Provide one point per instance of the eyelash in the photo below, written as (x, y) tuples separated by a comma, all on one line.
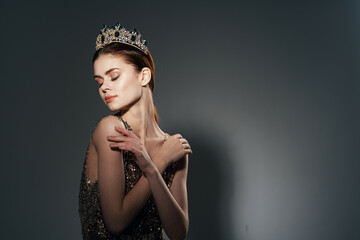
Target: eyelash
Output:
[(99, 85)]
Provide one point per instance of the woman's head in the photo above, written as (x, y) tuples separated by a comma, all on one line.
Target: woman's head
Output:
[(128, 63)]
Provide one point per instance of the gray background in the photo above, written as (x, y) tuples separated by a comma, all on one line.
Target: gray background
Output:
[(267, 93)]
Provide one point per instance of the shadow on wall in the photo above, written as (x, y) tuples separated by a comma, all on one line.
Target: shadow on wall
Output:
[(210, 186)]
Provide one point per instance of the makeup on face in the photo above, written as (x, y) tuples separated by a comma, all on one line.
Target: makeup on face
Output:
[(110, 99)]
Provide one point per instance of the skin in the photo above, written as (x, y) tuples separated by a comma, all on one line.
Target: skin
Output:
[(116, 77)]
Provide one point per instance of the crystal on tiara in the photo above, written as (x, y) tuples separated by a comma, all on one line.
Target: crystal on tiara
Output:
[(118, 33)]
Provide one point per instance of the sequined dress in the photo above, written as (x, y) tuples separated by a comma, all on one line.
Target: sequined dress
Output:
[(146, 225)]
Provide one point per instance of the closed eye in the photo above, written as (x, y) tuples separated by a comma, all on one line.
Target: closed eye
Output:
[(113, 79)]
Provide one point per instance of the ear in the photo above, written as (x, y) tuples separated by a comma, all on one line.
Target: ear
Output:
[(145, 76)]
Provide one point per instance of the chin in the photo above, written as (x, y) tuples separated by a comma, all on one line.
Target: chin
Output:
[(113, 109), (112, 106), (119, 106)]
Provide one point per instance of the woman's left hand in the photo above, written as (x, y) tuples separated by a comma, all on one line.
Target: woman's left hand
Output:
[(130, 142)]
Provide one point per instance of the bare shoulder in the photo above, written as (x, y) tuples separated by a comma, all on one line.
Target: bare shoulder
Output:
[(106, 127)]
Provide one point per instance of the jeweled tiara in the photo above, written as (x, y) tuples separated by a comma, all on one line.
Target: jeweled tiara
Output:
[(118, 33)]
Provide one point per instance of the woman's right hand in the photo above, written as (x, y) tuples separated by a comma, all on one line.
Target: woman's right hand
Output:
[(174, 148)]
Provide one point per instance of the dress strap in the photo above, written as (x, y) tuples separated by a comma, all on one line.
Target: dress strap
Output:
[(127, 126)]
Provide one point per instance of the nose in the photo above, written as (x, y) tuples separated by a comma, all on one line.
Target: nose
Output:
[(105, 86)]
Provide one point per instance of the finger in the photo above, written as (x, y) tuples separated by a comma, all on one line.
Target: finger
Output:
[(120, 139), (178, 135), (121, 146), (184, 141), (186, 146), (127, 132), (188, 151), (122, 130), (128, 146), (117, 138), (126, 140), (134, 135)]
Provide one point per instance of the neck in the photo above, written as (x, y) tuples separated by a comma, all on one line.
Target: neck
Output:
[(140, 117)]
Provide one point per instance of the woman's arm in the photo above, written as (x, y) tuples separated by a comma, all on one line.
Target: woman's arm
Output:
[(172, 204), (119, 210)]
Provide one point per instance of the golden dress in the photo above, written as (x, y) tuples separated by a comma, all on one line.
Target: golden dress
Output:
[(146, 225)]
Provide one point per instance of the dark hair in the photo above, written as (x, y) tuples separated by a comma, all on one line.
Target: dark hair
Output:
[(132, 56)]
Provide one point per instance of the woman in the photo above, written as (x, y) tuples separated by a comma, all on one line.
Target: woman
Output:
[(133, 182)]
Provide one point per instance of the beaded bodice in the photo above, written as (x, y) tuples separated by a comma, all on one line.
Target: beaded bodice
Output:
[(146, 225)]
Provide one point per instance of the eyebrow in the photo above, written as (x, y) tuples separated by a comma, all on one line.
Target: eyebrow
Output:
[(106, 73)]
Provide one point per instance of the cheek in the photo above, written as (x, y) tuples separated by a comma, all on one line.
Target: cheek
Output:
[(134, 92), (130, 91)]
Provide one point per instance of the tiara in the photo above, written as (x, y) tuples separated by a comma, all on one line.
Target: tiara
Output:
[(118, 33)]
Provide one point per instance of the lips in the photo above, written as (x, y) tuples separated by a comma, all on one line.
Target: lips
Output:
[(109, 98)]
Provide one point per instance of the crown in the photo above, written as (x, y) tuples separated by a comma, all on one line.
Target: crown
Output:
[(118, 33)]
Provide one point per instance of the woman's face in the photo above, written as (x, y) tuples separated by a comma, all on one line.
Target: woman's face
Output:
[(117, 78)]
